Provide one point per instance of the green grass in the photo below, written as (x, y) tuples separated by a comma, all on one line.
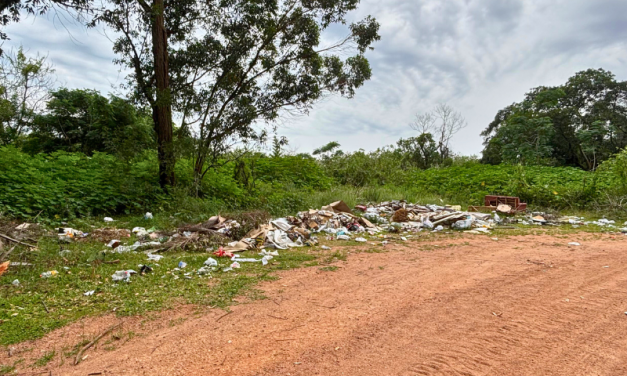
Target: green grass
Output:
[(83, 267), (329, 268), (45, 359), (6, 370)]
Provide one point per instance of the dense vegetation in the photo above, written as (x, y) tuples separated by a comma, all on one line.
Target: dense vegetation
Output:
[(581, 123), (69, 153)]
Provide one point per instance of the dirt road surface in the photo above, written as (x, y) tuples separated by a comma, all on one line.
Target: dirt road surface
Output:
[(528, 305)]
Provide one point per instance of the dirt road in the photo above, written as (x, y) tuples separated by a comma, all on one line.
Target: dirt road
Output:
[(527, 305)]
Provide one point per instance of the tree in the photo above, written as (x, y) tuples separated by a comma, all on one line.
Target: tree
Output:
[(85, 121), (326, 150), (227, 65), (277, 145), (527, 140), (24, 89), (588, 117), (442, 123), (420, 152)]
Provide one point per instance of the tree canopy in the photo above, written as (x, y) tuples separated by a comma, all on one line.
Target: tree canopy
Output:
[(580, 123)]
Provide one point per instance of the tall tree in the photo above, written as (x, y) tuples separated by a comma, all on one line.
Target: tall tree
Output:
[(440, 124), (587, 116), (226, 65), (85, 121), (25, 83)]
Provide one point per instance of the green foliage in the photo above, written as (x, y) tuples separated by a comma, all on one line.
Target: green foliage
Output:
[(24, 85), (70, 184), (362, 169), (85, 121), (580, 123), (419, 152), (557, 187)]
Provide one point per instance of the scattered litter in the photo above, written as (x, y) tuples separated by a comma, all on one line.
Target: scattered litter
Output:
[(144, 269), (575, 244), (404, 239), (140, 232), (463, 224), (211, 262), (68, 234), (16, 283), (266, 253), (204, 270), (114, 243), (4, 267), (343, 237), (152, 257), (108, 219), (122, 275), (182, 264), (222, 253), (361, 240), (51, 273), (225, 270), (324, 247), (89, 293), (235, 265), (148, 215), (23, 226)]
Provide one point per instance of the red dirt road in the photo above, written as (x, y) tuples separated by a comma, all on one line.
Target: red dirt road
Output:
[(521, 306)]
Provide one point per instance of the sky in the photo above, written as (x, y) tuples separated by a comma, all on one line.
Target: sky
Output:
[(477, 56)]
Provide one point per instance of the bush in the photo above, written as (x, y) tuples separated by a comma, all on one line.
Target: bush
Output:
[(72, 184)]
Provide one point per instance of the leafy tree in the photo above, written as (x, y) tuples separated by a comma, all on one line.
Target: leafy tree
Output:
[(326, 150), (526, 140), (277, 145), (225, 65), (420, 152), (85, 121), (588, 116), (24, 86)]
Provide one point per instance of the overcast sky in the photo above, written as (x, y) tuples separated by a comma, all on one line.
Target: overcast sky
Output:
[(476, 55)]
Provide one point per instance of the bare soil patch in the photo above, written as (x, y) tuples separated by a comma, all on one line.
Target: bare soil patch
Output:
[(527, 305)]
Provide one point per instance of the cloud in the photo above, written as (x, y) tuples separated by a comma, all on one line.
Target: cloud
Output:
[(477, 55)]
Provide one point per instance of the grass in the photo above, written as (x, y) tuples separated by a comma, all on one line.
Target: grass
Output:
[(40, 305), (45, 359), (6, 370)]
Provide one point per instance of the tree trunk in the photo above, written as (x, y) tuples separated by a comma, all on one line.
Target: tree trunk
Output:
[(162, 110)]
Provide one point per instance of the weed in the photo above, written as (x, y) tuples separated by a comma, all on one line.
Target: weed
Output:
[(45, 359), (329, 268), (6, 370)]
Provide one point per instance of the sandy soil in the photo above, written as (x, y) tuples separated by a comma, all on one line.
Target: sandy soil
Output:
[(527, 305)]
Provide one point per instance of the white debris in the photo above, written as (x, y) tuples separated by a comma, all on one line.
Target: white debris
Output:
[(152, 257), (211, 262), (108, 219), (89, 293), (122, 275)]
